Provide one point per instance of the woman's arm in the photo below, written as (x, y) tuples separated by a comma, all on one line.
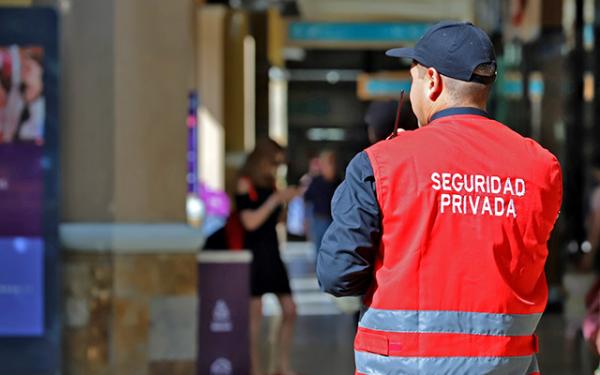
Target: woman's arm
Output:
[(253, 219)]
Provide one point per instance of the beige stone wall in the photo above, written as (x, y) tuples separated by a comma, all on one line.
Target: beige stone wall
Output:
[(87, 111), (130, 314), (127, 67), (88, 301), (154, 63)]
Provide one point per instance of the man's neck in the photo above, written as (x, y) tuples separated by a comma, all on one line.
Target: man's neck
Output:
[(443, 106)]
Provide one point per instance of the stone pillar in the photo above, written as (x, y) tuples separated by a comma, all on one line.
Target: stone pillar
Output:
[(127, 68), (87, 126), (130, 274), (130, 295), (153, 72), (210, 65)]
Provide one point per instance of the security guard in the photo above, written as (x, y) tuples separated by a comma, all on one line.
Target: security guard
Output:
[(444, 229)]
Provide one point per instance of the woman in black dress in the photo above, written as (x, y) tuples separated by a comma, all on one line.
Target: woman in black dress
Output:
[(260, 205)]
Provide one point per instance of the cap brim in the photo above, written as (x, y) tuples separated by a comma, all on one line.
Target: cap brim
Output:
[(407, 53)]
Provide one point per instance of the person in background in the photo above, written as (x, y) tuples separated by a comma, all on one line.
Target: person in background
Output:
[(591, 263), (591, 258), (381, 117), (299, 213), (314, 170), (31, 127), (319, 194), (260, 205), (12, 103)]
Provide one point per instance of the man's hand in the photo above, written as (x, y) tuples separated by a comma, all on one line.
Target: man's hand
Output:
[(288, 194)]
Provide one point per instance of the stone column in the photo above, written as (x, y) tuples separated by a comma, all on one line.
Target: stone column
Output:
[(130, 279)]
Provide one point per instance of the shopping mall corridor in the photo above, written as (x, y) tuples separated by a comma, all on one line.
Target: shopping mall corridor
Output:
[(324, 335)]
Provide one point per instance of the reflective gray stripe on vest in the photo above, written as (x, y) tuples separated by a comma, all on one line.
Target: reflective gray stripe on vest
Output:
[(534, 366), (373, 364), (450, 322)]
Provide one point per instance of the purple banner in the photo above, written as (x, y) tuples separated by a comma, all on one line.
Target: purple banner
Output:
[(223, 337), (21, 286), (192, 151), (21, 190)]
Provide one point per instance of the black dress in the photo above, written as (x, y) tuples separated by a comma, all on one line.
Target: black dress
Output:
[(267, 272)]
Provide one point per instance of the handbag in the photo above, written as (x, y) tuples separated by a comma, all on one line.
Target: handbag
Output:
[(234, 229)]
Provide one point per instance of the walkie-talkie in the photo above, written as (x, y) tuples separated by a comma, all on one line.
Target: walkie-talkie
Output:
[(397, 122)]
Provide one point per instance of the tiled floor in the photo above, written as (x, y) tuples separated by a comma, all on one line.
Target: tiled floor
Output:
[(324, 336)]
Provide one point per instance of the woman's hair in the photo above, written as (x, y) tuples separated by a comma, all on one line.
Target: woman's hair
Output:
[(258, 163)]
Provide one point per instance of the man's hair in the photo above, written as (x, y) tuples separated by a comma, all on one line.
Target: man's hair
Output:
[(463, 91), (474, 90), (486, 70)]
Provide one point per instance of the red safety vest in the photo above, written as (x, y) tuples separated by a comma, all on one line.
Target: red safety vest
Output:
[(467, 206)]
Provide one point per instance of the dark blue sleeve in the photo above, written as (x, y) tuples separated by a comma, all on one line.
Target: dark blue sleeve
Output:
[(309, 195), (347, 253)]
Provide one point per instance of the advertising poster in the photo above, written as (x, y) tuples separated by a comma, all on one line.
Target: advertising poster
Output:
[(22, 109), (29, 323)]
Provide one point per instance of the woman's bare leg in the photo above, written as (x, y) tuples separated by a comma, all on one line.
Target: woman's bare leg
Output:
[(255, 341), (286, 332)]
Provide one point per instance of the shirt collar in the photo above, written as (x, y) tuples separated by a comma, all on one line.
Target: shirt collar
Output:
[(459, 111)]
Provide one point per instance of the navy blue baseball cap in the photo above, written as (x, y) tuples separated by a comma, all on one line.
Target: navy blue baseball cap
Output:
[(455, 49)]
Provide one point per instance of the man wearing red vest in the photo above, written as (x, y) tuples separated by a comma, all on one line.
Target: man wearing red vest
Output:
[(444, 229)]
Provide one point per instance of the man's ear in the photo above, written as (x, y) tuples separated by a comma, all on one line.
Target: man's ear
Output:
[(434, 84)]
